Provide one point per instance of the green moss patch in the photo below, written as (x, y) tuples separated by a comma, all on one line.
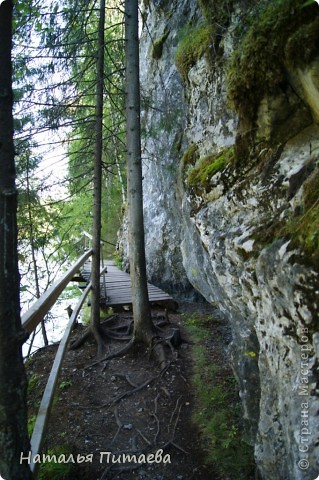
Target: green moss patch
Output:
[(194, 43), (157, 49), (278, 33), (217, 12), (199, 177), (191, 156)]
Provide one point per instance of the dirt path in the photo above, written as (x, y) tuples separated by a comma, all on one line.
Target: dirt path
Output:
[(124, 407)]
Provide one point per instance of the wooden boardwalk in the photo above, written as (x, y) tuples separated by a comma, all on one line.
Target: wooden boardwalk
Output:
[(116, 288)]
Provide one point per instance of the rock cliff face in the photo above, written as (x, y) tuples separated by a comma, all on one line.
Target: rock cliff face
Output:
[(231, 177)]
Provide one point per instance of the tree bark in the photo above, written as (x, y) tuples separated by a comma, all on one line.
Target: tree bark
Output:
[(143, 326), (14, 438), (96, 233)]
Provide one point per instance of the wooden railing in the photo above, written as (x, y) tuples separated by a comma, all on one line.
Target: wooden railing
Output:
[(30, 321)]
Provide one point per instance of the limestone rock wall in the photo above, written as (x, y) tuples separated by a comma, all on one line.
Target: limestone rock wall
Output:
[(238, 236)]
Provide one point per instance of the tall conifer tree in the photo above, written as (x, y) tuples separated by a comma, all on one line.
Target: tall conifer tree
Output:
[(14, 438)]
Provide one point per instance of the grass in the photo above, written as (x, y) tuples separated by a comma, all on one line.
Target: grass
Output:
[(54, 470), (218, 411), (65, 384)]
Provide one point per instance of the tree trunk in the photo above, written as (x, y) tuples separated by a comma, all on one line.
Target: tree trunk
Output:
[(97, 185), (13, 408), (143, 326)]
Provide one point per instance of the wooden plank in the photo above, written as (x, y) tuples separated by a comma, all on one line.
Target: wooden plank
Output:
[(118, 288), (40, 308), (47, 399)]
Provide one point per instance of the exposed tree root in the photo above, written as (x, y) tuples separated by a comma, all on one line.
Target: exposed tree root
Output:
[(130, 392), (119, 424), (144, 438), (174, 419), (156, 420), (155, 339), (88, 333), (127, 378)]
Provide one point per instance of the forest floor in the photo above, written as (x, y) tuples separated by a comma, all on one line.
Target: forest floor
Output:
[(126, 406)]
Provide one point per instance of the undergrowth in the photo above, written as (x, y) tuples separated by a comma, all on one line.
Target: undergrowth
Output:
[(54, 470), (217, 410)]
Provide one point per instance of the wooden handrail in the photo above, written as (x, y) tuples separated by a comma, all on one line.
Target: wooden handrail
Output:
[(87, 234), (48, 395), (90, 237), (47, 399), (40, 308)]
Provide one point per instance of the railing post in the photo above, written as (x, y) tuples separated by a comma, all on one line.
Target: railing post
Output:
[(103, 270)]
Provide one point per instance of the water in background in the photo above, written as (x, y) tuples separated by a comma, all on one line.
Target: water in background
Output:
[(57, 318)]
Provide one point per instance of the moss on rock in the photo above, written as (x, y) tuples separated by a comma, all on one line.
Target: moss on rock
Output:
[(190, 156), (195, 42), (200, 175), (157, 49), (274, 34)]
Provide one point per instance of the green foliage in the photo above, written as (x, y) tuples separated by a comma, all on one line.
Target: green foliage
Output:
[(157, 48), (118, 259), (86, 315), (217, 409), (31, 423), (217, 12), (200, 175), (33, 382), (193, 44), (54, 470), (65, 384), (276, 33)]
